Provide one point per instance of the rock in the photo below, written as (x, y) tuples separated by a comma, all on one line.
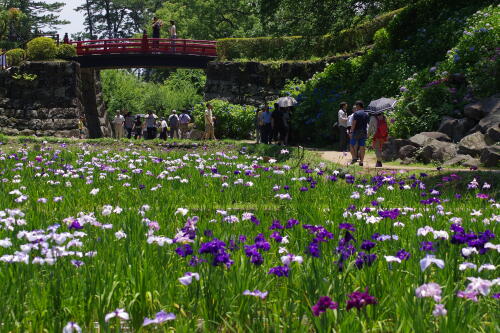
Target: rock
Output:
[(483, 108), (456, 129), (391, 148), (420, 140), (457, 160), (492, 135), (492, 120), (438, 136), (407, 151), (196, 134), (472, 144), (435, 150), (471, 163), (490, 156)]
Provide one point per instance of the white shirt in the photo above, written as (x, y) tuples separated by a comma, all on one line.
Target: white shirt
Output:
[(342, 118), (163, 124), (349, 120), (173, 30), (119, 119)]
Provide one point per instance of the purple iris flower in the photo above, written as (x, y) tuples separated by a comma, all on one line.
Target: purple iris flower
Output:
[(291, 223), (184, 250), (347, 226), (313, 250), (75, 225), (277, 237), (276, 225), (360, 299), (403, 254), (279, 271), (367, 245), (427, 247), (324, 303)]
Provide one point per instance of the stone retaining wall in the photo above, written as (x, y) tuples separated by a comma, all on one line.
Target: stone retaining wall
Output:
[(46, 99)]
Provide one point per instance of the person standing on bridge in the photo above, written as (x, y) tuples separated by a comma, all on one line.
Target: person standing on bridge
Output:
[(157, 24), (173, 34)]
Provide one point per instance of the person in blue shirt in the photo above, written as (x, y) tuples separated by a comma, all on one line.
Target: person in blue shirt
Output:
[(359, 133)]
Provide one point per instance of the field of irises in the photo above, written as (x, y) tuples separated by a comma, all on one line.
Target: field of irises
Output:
[(151, 238)]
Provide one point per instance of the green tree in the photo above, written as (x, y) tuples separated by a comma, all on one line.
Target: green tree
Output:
[(38, 17)]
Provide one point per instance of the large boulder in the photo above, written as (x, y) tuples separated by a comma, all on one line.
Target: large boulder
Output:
[(458, 160), (437, 135), (492, 135), (407, 152), (472, 144), (456, 129), (492, 120), (390, 149), (483, 108), (420, 140), (490, 156), (435, 150)]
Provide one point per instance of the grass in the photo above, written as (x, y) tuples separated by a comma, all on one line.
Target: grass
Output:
[(150, 182)]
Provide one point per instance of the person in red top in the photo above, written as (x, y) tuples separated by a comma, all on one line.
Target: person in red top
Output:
[(378, 128)]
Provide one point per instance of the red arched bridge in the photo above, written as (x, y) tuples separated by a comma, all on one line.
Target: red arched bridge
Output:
[(144, 52)]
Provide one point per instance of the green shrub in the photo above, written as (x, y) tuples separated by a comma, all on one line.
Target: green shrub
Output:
[(15, 57), (301, 48), (232, 121), (65, 51), (42, 48)]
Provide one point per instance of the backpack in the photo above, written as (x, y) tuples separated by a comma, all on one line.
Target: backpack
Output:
[(382, 131), (173, 120)]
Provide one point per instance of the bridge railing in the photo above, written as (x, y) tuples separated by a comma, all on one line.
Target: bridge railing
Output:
[(146, 46)]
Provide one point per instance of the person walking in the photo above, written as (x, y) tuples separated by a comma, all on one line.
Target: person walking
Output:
[(151, 126), (209, 123), (379, 130), (287, 118), (278, 124), (157, 24), (173, 122), (81, 127), (118, 125), (359, 133), (163, 129), (138, 127), (129, 124), (184, 120), (342, 122), (266, 125)]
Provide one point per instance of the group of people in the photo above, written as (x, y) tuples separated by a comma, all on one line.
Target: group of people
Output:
[(158, 24), (273, 126), (357, 127), (149, 127)]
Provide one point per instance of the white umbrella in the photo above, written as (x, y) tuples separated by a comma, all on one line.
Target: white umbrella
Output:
[(286, 102)]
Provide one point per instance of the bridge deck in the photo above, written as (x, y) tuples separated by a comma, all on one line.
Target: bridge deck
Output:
[(145, 52)]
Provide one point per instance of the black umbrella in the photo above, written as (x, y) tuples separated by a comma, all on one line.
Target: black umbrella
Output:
[(381, 105)]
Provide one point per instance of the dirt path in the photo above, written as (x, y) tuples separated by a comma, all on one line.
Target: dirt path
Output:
[(344, 159)]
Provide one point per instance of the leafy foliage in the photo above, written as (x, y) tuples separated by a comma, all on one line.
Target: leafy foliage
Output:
[(28, 18), (15, 57), (66, 51), (299, 47), (232, 121), (125, 91), (42, 48)]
